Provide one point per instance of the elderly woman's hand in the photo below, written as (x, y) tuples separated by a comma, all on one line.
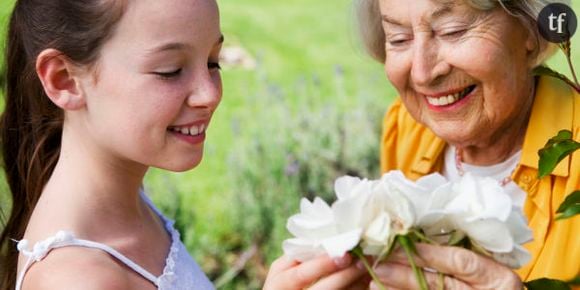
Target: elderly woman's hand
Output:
[(463, 269), (321, 273)]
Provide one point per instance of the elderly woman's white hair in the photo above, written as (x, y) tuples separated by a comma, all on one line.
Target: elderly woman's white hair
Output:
[(373, 37)]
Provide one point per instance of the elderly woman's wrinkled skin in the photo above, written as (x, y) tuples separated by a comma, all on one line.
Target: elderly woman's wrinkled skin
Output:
[(434, 50), (464, 270)]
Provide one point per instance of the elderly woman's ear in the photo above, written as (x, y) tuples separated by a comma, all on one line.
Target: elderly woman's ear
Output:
[(537, 47)]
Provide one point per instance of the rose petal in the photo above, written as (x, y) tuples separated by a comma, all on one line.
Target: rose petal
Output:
[(379, 230), (491, 234), (516, 259), (338, 245), (518, 227), (301, 250)]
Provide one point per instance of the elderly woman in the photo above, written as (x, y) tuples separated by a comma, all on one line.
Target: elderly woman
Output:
[(470, 103)]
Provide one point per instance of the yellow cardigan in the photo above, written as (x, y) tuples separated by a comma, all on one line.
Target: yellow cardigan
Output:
[(415, 150)]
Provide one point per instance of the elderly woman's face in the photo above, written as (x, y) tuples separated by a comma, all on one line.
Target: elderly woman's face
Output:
[(463, 72)]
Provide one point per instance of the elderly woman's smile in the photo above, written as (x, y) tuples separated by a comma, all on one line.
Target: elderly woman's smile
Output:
[(448, 100), (463, 72)]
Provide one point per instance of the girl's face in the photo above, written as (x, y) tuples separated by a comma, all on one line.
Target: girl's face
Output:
[(157, 84)]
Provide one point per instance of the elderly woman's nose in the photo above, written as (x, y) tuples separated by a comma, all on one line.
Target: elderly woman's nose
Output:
[(426, 63)]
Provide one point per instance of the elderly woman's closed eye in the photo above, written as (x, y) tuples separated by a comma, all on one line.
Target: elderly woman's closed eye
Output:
[(469, 102)]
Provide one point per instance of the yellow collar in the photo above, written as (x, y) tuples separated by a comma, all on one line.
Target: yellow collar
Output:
[(553, 110)]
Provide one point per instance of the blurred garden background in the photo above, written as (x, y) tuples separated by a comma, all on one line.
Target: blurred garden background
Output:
[(302, 105)]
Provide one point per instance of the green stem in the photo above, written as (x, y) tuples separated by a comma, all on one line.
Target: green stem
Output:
[(424, 238), (409, 248), (441, 281), (573, 74), (567, 48), (362, 257)]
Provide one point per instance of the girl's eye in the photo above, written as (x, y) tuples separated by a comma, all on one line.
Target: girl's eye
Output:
[(214, 65), (169, 75)]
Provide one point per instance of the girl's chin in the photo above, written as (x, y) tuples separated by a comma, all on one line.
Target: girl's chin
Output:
[(181, 166)]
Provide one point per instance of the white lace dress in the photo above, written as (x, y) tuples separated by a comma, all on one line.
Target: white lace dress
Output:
[(181, 272)]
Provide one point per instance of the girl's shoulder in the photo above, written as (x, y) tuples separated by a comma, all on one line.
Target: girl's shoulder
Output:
[(77, 268)]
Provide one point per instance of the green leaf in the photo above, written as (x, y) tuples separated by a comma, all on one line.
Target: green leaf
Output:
[(545, 283), (570, 207), (544, 70), (555, 150), (575, 281)]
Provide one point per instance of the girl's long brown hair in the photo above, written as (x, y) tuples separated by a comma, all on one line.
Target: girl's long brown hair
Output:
[(31, 125)]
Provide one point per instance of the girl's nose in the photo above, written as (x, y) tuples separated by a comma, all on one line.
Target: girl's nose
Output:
[(207, 91)]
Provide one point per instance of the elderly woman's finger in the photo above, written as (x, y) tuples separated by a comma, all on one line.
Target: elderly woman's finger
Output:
[(402, 277), (465, 265), (352, 276)]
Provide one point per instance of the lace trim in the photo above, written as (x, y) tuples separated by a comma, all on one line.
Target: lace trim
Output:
[(66, 238), (167, 279)]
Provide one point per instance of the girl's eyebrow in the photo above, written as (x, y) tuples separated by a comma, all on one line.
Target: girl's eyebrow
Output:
[(178, 46), (168, 46)]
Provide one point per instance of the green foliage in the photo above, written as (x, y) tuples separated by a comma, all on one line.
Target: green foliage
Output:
[(545, 70), (555, 151), (566, 47), (570, 207), (545, 283), (295, 151), (575, 281)]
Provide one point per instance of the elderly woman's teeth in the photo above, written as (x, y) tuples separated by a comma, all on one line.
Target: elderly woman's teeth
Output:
[(449, 99)]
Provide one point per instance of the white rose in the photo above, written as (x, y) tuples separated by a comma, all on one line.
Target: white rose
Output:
[(335, 230), (388, 213), (418, 192), (479, 208)]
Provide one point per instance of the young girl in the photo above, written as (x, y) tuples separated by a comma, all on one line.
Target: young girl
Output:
[(97, 92)]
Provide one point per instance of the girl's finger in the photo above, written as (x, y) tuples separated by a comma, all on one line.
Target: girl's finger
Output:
[(341, 279), (283, 263), (294, 275)]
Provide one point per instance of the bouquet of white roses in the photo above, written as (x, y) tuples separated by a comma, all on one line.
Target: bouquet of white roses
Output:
[(370, 217)]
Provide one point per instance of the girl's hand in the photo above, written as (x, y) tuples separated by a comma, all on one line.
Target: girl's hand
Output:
[(463, 269), (321, 273)]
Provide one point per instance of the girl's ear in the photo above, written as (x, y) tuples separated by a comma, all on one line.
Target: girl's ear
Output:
[(59, 79)]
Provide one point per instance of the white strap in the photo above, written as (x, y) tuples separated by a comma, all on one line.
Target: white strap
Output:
[(66, 239)]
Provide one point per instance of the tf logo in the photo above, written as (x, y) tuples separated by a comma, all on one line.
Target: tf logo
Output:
[(557, 22)]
